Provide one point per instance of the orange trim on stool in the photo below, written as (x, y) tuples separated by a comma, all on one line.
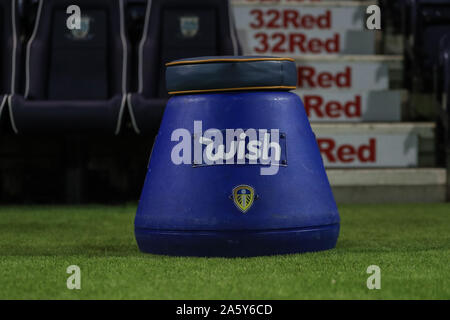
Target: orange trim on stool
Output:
[(227, 60), (233, 89)]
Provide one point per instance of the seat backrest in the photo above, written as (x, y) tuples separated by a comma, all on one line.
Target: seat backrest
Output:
[(89, 63), (176, 29), (430, 22), (442, 71), (9, 46)]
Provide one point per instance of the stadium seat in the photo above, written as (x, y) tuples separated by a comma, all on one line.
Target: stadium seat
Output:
[(9, 50), (442, 92), (440, 68), (75, 80), (429, 21), (3, 99), (176, 29)]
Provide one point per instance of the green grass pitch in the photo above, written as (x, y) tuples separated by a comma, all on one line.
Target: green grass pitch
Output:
[(410, 243)]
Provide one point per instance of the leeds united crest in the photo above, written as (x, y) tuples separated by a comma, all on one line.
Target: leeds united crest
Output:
[(243, 197), (189, 26)]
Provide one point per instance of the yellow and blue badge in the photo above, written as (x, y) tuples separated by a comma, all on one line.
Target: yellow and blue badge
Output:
[(83, 33), (243, 197), (189, 26)]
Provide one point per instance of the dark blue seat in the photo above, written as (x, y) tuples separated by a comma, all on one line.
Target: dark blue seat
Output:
[(3, 100), (442, 80), (75, 80), (176, 29), (9, 51), (429, 22)]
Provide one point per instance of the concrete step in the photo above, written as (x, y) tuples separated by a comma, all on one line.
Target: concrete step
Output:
[(376, 145), (388, 185)]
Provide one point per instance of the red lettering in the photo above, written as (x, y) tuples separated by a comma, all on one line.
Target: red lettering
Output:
[(325, 80), (299, 42), (278, 46), (311, 103), (347, 153), (263, 41), (326, 147), (307, 21), (273, 22), (367, 153), (333, 45), (353, 108), (333, 109), (316, 105), (258, 17), (324, 21), (296, 40), (315, 45), (344, 79), (290, 17), (276, 19), (306, 74)]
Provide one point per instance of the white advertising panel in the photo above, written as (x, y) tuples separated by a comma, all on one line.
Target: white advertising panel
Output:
[(342, 75), (294, 18), (338, 106), (368, 150), (295, 30)]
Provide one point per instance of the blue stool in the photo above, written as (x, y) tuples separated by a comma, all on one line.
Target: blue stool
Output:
[(235, 169)]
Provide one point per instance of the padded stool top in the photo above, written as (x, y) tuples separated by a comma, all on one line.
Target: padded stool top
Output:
[(230, 73)]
